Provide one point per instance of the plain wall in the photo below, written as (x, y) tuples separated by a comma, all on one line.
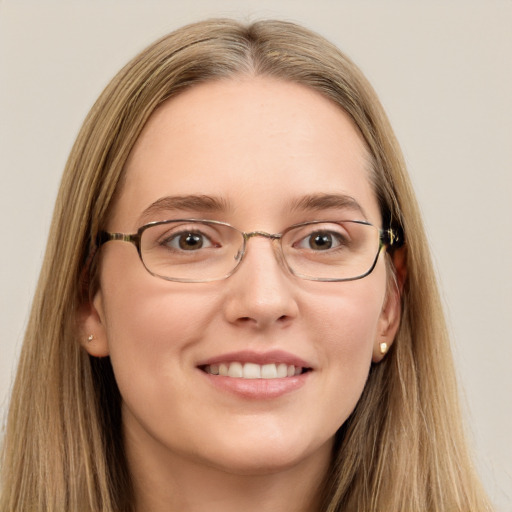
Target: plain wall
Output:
[(443, 72)]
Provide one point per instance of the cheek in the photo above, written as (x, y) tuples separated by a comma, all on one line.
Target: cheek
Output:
[(346, 327), (141, 309), (150, 324), (348, 315)]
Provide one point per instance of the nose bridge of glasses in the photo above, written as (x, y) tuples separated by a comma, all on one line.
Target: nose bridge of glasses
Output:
[(273, 237), (264, 234)]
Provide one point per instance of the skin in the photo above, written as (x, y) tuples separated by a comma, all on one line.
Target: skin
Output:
[(259, 145)]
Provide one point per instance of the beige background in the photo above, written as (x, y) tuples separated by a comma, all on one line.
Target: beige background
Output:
[(444, 73)]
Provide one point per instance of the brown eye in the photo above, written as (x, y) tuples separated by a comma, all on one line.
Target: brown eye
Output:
[(320, 241), (188, 241)]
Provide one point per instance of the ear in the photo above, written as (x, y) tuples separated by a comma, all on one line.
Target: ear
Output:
[(389, 319), (93, 333)]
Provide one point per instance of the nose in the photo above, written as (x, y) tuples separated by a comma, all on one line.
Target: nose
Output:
[(262, 292)]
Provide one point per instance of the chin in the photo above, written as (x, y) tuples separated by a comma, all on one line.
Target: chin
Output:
[(258, 466), (266, 455)]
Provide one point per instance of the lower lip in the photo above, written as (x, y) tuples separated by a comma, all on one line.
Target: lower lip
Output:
[(257, 389)]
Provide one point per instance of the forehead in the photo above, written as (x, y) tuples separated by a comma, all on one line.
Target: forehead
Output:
[(249, 141)]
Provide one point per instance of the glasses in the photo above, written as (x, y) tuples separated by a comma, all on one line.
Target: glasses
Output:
[(198, 251)]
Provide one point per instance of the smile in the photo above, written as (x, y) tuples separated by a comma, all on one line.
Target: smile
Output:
[(253, 370)]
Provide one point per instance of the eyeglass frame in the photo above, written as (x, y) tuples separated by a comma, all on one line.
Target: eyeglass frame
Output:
[(388, 238)]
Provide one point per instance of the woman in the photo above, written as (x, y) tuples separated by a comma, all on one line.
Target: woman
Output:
[(274, 340)]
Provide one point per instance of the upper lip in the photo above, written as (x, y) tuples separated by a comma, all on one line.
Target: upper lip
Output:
[(249, 356)]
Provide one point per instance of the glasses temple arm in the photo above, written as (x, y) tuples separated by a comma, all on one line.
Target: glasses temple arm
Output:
[(392, 237)]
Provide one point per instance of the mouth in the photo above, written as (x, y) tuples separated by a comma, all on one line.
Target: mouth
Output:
[(251, 370), (253, 375)]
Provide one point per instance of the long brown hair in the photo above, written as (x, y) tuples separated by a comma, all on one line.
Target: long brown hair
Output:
[(402, 449)]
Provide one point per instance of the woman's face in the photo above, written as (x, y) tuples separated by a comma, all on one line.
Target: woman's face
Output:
[(266, 152)]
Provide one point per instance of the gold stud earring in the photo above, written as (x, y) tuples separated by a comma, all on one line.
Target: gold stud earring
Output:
[(90, 338), (383, 348)]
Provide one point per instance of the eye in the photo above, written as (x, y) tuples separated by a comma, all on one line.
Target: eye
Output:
[(188, 241), (321, 241)]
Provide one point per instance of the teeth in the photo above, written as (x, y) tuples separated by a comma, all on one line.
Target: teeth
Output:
[(253, 370), (236, 370), (282, 370), (269, 371)]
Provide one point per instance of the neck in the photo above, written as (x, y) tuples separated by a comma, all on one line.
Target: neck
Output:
[(172, 482)]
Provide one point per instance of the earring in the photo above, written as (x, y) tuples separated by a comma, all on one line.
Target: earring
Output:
[(90, 338), (383, 348)]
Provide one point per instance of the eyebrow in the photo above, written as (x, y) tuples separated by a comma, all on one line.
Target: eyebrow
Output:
[(190, 203), (318, 202), (204, 204)]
